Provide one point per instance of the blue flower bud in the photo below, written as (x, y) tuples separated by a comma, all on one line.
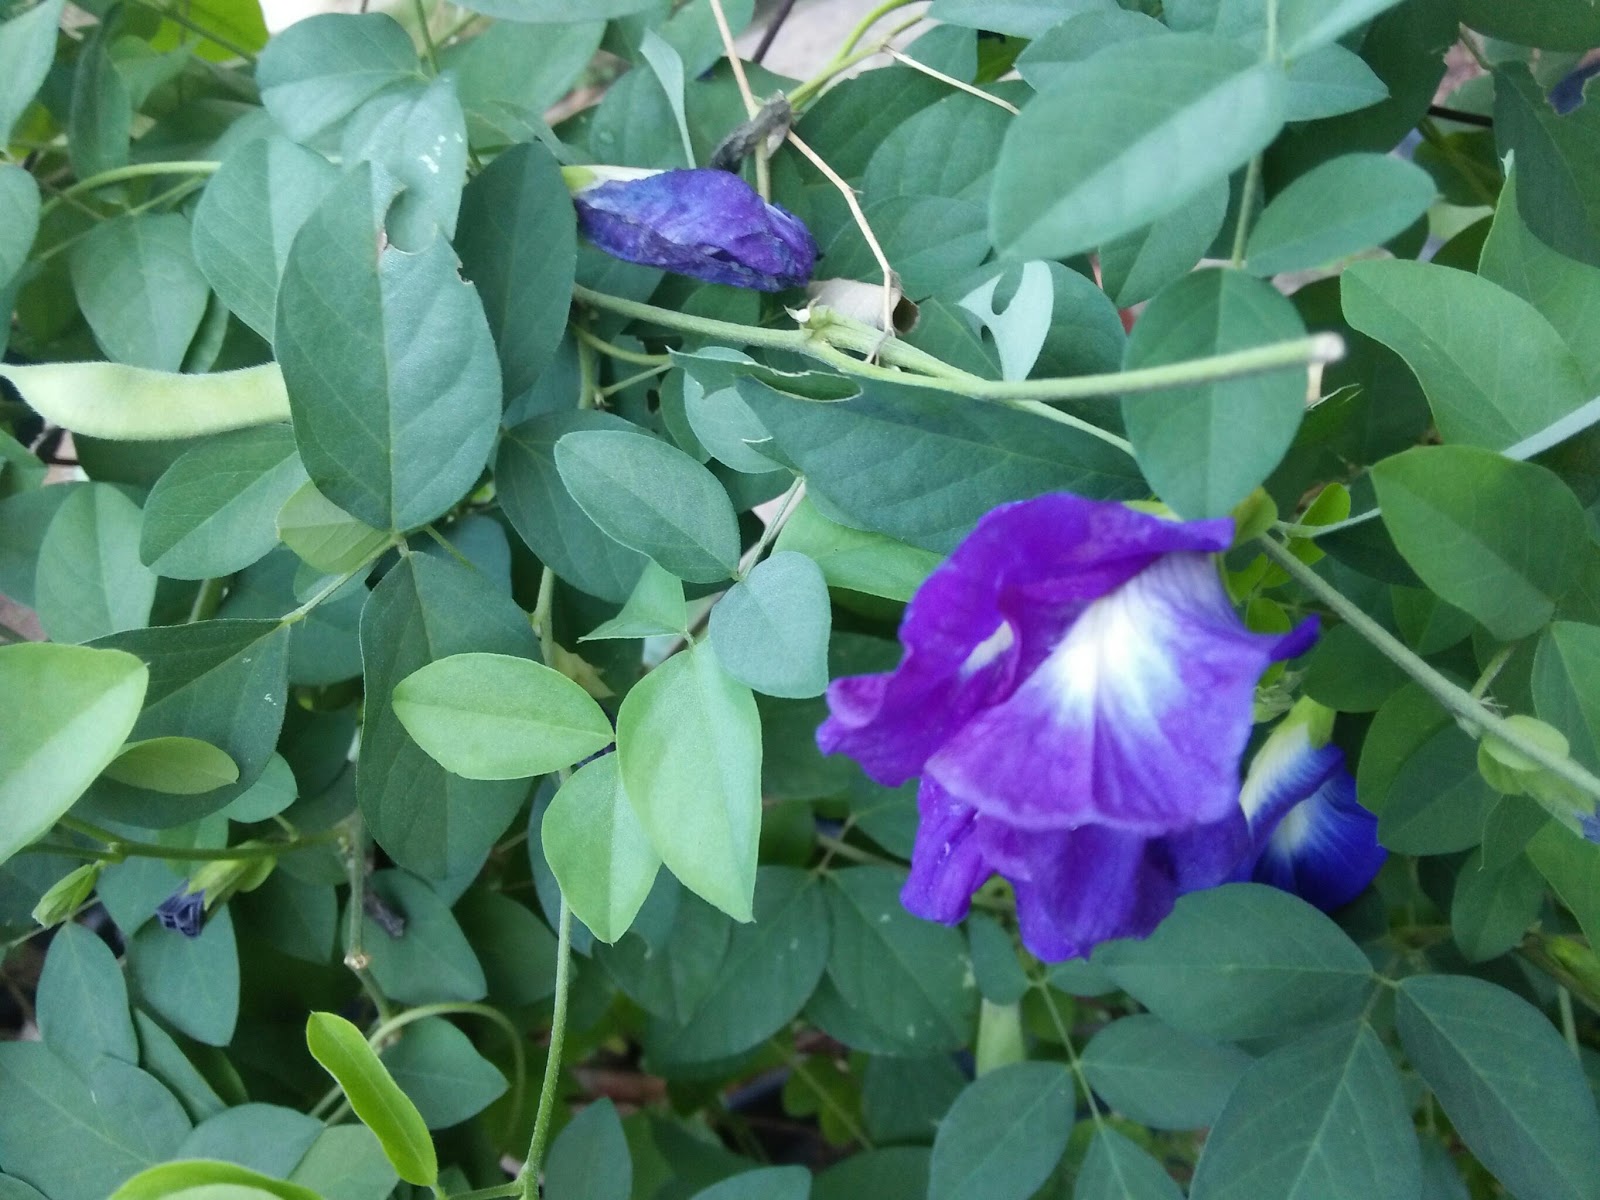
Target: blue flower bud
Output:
[(183, 912), (708, 224)]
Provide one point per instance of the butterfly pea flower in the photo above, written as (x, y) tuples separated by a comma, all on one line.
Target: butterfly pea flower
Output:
[(1076, 693), (183, 912), (709, 224), (1308, 834)]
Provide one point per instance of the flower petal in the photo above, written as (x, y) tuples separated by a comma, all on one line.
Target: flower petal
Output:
[(1325, 848), (1135, 720), (991, 614), (948, 862), (704, 223)]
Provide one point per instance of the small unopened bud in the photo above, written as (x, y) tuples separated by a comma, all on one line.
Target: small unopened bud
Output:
[(67, 895)]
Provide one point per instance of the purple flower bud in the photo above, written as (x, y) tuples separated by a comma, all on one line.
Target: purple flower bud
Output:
[(709, 224), (183, 912)]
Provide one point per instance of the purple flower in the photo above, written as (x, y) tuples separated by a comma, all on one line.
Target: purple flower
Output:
[(708, 224), (183, 912), (1308, 834), (1076, 692)]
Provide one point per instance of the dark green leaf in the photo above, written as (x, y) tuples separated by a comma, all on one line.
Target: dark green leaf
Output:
[(653, 498), (27, 47), (1242, 960), (1205, 448), (267, 1138), (160, 1054), (1101, 153), (19, 214), (319, 70), (426, 959), (1306, 25), (247, 219), (82, 1002), (1495, 371), (1565, 668), (769, 1183), (1116, 1169), (425, 609), (1331, 1108), (771, 629), (388, 361), (1508, 1083), (1004, 1134), (1347, 204), (1493, 908), (90, 581), (883, 459), (1137, 265), (190, 983), (1160, 1077), (100, 120), (140, 289), (374, 1095), (947, 150), (589, 1159), (214, 511), (347, 1163), (1328, 82), (1553, 24), (1044, 61), (437, 1066), (1497, 538)]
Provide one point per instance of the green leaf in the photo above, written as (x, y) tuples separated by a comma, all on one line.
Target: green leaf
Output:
[(689, 745), (27, 48), (518, 245), (598, 850), (82, 704), (323, 535), (1240, 961), (1134, 153), (1160, 1077), (90, 581), (19, 215), (1497, 538), (1205, 448), (947, 150), (437, 1066), (428, 820), (768, 972), (1329, 82), (1495, 371), (768, 1183), (589, 1159), (1508, 1083), (1572, 866), (771, 630), (495, 716), (165, 1059), (1565, 667), (247, 219), (297, 917), (1565, 291), (655, 607), (556, 12), (136, 280), (1117, 1169), (653, 498), (1306, 25), (1044, 61), (910, 979), (1137, 265), (1493, 908), (1331, 1108), (1004, 1134), (202, 1180), (100, 120), (1552, 24), (548, 519), (222, 682), (190, 983), (318, 71), (518, 73), (853, 558), (179, 766), (881, 460), (892, 1173), (388, 361), (82, 1001), (374, 1095), (268, 1138), (1347, 204), (215, 510), (668, 968), (76, 1136), (418, 134), (346, 1163), (1021, 18), (429, 961)]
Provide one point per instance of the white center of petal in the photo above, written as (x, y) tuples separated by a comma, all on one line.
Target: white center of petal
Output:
[(1114, 659), (991, 648), (1276, 759)]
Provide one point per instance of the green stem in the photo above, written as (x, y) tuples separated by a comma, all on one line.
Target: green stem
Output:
[(1072, 1052), (835, 847), (170, 195), (429, 48), (805, 93), (206, 600), (543, 627), (118, 848), (1247, 192), (122, 174), (331, 587), (773, 528), (825, 1097), (529, 1176), (1276, 356), (1454, 699), (636, 357), (640, 377), (355, 955)]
